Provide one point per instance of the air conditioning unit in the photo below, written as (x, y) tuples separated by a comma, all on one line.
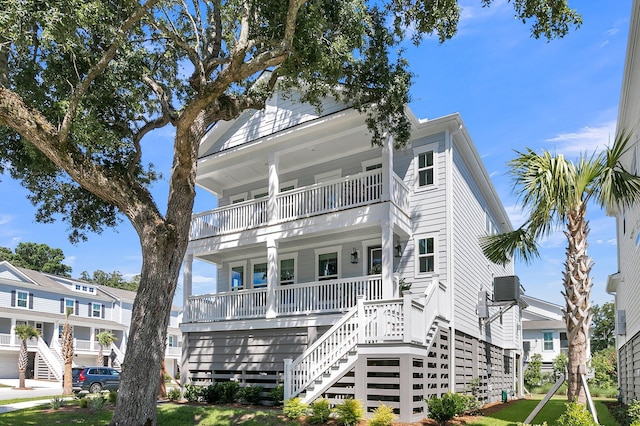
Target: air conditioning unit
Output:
[(526, 346), (506, 289)]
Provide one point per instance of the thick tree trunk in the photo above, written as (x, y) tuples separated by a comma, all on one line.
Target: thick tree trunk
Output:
[(577, 284)]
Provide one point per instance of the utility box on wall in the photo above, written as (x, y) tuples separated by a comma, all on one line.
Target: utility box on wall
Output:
[(506, 289)]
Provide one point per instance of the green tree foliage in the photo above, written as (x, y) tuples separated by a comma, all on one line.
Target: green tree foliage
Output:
[(105, 338), (38, 257), (603, 327), (111, 279), (83, 83), (560, 365), (533, 372), (605, 368), (557, 192)]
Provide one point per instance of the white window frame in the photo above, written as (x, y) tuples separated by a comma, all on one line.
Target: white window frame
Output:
[(290, 183), (93, 310), (544, 341), (293, 257), (372, 162), (26, 301), (244, 275), (253, 263), (416, 243), (238, 198), (327, 176), (73, 305), (327, 250), (416, 167)]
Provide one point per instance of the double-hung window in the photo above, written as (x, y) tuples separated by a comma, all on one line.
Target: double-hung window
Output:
[(259, 275), (69, 306), (426, 169), (287, 271), (96, 310), (547, 337), (328, 266), (237, 277), (22, 299), (426, 255)]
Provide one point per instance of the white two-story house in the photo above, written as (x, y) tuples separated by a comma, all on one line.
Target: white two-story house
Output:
[(316, 237), (41, 300), (544, 331)]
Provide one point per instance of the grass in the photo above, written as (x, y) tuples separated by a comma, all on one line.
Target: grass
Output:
[(33, 398)]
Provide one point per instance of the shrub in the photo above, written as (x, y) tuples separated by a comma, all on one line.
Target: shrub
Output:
[(382, 416), (57, 402), (349, 412), (113, 396), (633, 411), (576, 415), (277, 394), (320, 411), (294, 408), (446, 407), (560, 365), (533, 372), (84, 402), (250, 394), (97, 404), (174, 394), (193, 393), (228, 392)]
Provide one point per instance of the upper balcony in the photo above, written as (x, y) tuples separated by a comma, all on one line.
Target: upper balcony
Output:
[(332, 196)]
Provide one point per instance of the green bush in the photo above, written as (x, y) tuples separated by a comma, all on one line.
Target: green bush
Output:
[(97, 404), (250, 394), (113, 396), (320, 411), (57, 402), (576, 415), (533, 372), (173, 394), (277, 394), (229, 393), (633, 411), (84, 402), (294, 408), (349, 412), (193, 393), (446, 407), (382, 416)]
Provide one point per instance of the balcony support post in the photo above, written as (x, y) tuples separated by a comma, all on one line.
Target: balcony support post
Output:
[(274, 188), (272, 276), (387, 223), (387, 169)]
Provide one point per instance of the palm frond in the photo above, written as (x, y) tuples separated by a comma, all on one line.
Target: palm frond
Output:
[(500, 248), (616, 185)]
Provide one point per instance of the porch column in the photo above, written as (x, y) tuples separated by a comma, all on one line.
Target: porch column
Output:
[(387, 169), (387, 258), (12, 333), (274, 188), (272, 276), (187, 275)]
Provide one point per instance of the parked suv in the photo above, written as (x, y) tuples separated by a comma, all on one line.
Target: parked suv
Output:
[(95, 379)]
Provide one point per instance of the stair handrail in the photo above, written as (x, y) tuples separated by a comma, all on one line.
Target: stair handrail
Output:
[(316, 365), (119, 354), (49, 358)]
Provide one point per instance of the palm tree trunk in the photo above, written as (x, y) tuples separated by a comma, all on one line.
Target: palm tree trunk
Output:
[(22, 363), (577, 315)]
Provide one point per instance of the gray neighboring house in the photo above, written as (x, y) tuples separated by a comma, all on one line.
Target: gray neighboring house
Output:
[(316, 236), (39, 299)]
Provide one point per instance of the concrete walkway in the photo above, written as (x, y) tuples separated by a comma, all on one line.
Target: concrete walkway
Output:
[(37, 388)]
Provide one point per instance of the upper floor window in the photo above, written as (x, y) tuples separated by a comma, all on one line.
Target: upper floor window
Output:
[(426, 255), (373, 164), (69, 306), (259, 275), (287, 271), (328, 266), (96, 310), (172, 341), (547, 337), (22, 299), (375, 260), (237, 277), (426, 168)]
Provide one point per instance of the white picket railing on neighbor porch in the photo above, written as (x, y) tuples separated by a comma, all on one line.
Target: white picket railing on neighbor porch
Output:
[(296, 299)]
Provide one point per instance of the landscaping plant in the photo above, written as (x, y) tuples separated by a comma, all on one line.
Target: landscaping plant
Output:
[(576, 415), (382, 416), (349, 412), (320, 411), (294, 408), (446, 407)]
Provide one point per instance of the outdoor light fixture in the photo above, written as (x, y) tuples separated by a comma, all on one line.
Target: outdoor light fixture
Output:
[(398, 250), (354, 256)]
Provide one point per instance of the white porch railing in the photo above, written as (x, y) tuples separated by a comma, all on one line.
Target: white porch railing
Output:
[(5, 339), (295, 299), (49, 357), (397, 320), (173, 351), (339, 194)]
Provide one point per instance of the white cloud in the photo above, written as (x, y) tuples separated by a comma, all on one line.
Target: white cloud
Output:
[(585, 140), (70, 260), (202, 279), (5, 218), (516, 214)]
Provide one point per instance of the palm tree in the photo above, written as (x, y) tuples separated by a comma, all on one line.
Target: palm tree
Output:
[(105, 338), (556, 192), (24, 332), (67, 355)]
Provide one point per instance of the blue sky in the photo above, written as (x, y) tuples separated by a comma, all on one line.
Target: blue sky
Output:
[(512, 91)]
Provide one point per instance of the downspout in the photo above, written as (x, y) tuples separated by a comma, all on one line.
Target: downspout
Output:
[(450, 256)]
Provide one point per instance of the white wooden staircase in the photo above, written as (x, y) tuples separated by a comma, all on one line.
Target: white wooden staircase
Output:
[(371, 322)]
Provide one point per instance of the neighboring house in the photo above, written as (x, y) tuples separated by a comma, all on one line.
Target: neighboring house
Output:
[(41, 300), (544, 331), (625, 284), (316, 233)]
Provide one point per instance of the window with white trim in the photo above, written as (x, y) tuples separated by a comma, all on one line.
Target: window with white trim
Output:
[(96, 310), (287, 271), (547, 338), (238, 198), (426, 255), (259, 275), (236, 277), (69, 306), (426, 168), (328, 261), (373, 164), (22, 299)]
